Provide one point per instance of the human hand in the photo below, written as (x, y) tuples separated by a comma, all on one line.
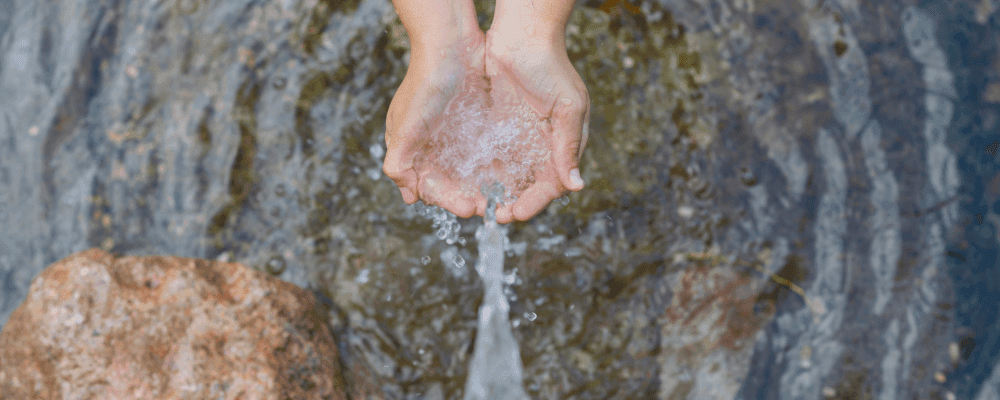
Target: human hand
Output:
[(536, 69), (434, 77), (440, 122)]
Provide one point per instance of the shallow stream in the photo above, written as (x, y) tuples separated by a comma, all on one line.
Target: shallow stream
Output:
[(792, 200)]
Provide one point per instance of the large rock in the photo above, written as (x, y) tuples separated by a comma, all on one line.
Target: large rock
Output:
[(98, 326)]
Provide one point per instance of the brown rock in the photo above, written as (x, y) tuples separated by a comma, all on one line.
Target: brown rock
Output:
[(99, 327)]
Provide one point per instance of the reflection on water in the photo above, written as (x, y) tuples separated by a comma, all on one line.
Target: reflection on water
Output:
[(785, 199)]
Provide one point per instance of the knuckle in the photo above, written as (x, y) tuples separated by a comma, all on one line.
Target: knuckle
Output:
[(576, 107), (393, 171), (574, 147)]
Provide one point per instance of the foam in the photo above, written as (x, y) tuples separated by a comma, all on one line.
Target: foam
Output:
[(479, 142)]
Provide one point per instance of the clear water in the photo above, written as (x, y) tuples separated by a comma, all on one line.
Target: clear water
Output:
[(484, 140), (495, 371), (785, 200)]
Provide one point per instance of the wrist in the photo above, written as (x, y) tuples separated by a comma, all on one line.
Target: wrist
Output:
[(532, 22), (437, 28)]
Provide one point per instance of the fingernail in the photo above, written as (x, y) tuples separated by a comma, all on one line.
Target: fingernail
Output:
[(574, 178)]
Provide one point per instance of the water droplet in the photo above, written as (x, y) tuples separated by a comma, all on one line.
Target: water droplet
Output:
[(275, 266), (685, 211), (458, 260), (377, 151), (363, 277), (530, 316), (563, 200), (279, 83), (461, 241), (747, 176), (426, 260)]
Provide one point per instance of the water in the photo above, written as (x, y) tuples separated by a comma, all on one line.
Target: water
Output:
[(483, 140), (731, 141), (495, 371)]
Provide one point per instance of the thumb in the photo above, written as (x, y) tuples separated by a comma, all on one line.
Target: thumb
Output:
[(403, 139), (398, 166), (569, 118)]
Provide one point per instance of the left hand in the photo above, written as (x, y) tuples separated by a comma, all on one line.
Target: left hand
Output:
[(538, 71)]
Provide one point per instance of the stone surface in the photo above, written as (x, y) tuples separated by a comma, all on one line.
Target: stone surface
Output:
[(98, 326)]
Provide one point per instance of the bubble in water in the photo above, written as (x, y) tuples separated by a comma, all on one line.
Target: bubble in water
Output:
[(362, 277), (453, 262), (275, 266), (530, 316), (376, 151), (481, 143), (425, 260), (509, 279), (563, 200)]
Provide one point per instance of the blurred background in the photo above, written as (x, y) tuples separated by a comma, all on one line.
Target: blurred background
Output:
[(786, 199)]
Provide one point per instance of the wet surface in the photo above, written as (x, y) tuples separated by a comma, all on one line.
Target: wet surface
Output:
[(785, 200)]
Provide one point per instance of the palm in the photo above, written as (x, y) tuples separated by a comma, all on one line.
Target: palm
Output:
[(430, 129), (542, 77), (416, 111)]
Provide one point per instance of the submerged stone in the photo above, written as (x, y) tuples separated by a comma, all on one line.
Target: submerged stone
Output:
[(97, 326)]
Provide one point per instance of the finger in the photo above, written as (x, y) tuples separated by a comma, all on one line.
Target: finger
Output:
[(481, 206), (398, 166), (505, 213), (535, 199), (568, 118), (406, 133), (440, 191)]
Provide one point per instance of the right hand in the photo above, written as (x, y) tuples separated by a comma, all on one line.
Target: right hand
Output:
[(536, 70), (433, 78)]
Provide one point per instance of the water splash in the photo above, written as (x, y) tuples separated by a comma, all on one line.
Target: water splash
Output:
[(481, 141), (445, 224), (496, 372)]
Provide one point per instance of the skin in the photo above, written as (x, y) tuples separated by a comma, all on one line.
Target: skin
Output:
[(524, 57)]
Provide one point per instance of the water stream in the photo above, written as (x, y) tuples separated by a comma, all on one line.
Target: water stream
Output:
[(495, 372)]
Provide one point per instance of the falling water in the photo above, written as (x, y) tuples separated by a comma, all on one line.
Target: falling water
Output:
[(496, 370)]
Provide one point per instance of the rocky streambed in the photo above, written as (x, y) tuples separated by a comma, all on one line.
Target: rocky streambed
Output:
[(785, 199)]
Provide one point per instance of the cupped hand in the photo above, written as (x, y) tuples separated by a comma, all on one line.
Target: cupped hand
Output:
[(529, 69), (434, 77), (513, 69)]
